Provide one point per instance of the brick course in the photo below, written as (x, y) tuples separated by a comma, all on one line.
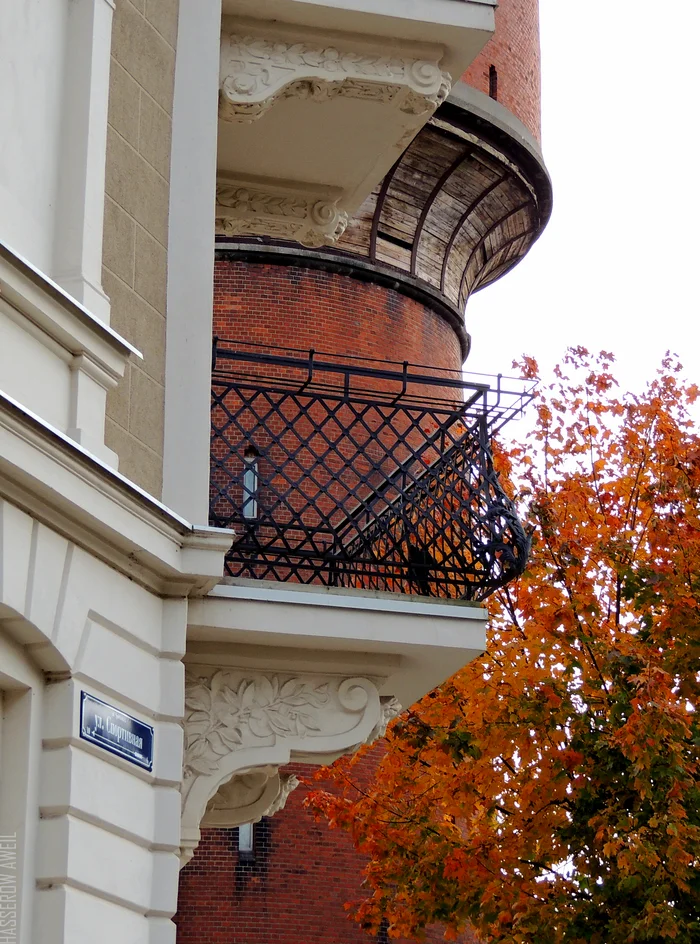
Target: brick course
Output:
[(304, 308), (515, 52), (293, 891)]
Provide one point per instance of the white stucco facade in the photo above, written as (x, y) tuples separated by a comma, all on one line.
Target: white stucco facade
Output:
[(31, 67), (108, 592)]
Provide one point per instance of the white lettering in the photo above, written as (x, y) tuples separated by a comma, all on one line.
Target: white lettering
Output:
[(121, 734)]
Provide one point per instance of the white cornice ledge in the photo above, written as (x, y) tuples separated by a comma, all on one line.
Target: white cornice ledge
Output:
[(414, 643), (75, 357), (56, 481), (37, 297)]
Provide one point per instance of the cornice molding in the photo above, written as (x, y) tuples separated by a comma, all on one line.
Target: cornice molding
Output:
[(257, 71), (58, 314)]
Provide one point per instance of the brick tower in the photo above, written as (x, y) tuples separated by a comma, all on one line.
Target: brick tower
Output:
[(313, 301)]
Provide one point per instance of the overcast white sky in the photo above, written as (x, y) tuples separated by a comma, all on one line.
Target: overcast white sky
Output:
[(618, 266)]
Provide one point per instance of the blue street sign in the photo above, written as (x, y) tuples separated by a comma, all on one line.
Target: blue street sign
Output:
[(116, 731)]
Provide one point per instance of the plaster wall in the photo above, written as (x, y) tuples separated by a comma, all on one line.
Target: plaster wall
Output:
[(98, 837), (32, 42), (135, 244)]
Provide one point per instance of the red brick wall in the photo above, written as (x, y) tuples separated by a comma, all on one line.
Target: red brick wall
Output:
[(293, 892), (303, 308), (515, 52)]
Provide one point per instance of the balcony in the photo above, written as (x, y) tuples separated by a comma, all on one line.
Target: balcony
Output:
[(355, 474), (346, 85)]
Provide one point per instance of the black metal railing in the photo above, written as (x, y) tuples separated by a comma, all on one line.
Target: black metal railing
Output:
[(353, 473)]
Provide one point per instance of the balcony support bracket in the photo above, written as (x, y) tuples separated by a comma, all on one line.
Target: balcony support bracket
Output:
[(242, 725), (258, 71)]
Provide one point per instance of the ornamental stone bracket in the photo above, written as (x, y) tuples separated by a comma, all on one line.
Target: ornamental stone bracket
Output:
[(256, 72), (242, 725), (262, 209)]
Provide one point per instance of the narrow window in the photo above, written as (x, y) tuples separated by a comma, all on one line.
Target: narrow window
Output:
[(493, 83), (245, 838), (250, 483)]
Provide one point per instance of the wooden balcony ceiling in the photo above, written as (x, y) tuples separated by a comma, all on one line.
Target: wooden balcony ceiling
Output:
[(461, 207)]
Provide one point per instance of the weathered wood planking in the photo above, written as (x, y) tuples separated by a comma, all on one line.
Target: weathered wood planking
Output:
[(454, 212)]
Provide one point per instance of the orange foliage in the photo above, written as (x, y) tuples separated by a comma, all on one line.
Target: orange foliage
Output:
[(550, 791)]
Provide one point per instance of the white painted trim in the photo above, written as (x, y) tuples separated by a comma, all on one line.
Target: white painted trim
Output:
[(176, 519), (191, 260), (73, 492), (75, 360), (347, 599), (78, 229), (20, 280)]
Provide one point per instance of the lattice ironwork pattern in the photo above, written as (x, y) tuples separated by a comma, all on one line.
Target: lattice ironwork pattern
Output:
[(355, 475)]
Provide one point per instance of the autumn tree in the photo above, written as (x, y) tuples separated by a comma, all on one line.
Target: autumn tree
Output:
[(550, 791)]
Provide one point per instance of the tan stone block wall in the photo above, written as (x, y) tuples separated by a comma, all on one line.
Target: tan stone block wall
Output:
[(136, 226)]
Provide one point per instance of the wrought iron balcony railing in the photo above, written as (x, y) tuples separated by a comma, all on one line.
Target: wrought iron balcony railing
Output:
[(357, 474)]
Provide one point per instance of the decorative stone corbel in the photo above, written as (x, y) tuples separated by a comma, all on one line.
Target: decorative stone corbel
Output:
[(266, 210), (241, 726), (258, 71)]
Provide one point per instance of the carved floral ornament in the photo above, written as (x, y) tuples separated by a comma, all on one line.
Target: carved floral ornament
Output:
[(221, 717), (243, 209), (257, 72), (241, 727)]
